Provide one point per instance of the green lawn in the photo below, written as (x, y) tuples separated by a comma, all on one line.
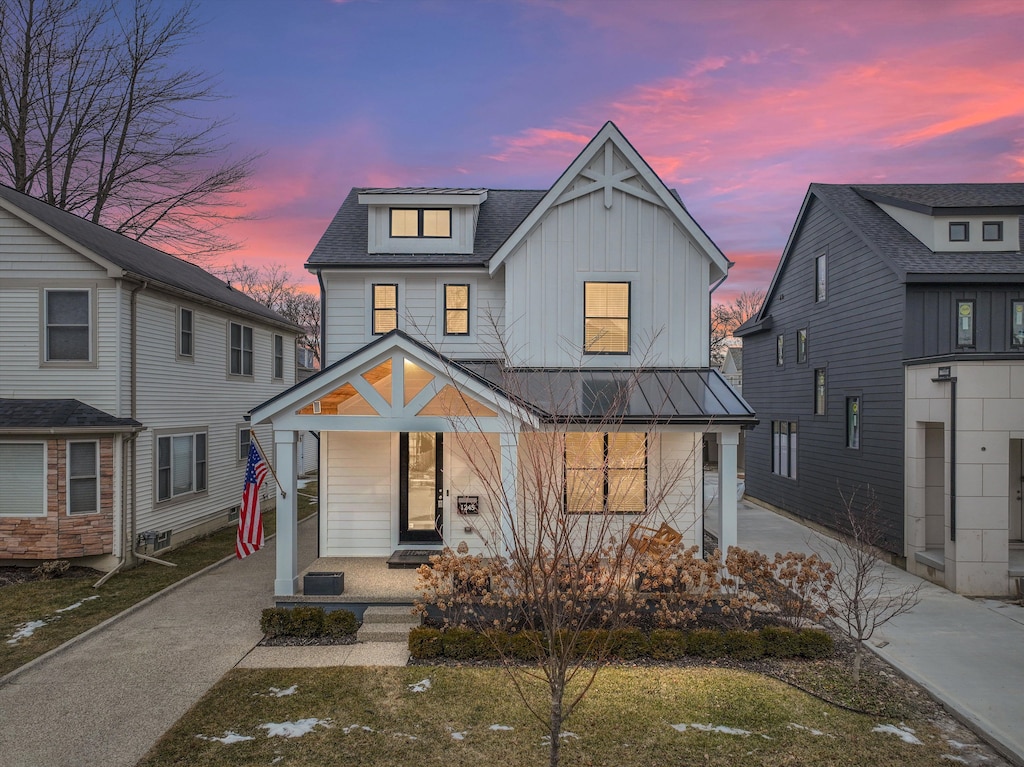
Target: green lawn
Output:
[(41, 600), (371, 717)]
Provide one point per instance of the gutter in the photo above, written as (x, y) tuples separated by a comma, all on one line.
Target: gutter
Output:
[(323, 316)]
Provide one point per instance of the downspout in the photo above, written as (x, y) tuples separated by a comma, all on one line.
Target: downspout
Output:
[(319, 442), (126, 442), (323, 318)]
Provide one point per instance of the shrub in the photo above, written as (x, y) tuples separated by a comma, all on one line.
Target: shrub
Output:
[(627, 643), (276, 621), (743, 645), (54, 568), (493, 644), (815, 643), (425, 642), (667, 644), (340, 623), (705, 643), (593, 644), (525, 644), (307, 622), (460, 643), (780, 642)]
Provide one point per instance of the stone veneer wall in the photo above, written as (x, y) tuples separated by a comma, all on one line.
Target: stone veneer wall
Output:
[(59, 535)]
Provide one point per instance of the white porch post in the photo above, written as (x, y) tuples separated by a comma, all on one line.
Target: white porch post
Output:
[(509, 473), (727, 526), (287, 581)]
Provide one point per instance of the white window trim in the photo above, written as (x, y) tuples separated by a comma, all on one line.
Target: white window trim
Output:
[(241, 359), (43, 477), (44, 335), (243, 454), (177, 497), (68, 477), (192, 334), (275, 340)]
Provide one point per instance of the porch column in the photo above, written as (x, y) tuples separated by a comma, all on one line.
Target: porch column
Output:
[(509, 473), (727, 526), (287, 580)]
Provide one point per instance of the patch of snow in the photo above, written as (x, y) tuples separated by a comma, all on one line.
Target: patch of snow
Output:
[(227, 738), (460, 735), (404, 735), (811, 730), (294, 729), (501, 727), (421, 686), (276, 759), (78, 604), (354, 727), (562, 736), (25, 630), (954, 758), (711, 728), (902, 732), (278, 692)]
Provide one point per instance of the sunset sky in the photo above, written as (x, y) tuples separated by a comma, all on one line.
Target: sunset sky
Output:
[(737, 104)]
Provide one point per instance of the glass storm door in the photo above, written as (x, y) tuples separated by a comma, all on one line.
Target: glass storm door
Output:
[(421, 487)]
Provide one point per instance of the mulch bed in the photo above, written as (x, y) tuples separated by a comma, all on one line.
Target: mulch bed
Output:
[(10, 576), (287, 641)]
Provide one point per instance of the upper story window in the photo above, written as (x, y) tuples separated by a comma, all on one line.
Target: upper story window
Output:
[(853, 422), (801, 345), (185, 332), (456, 310), (180, 465), (421, 222), (278, 356), (385, 309), (820, 400), (83, 478), (820, 279), (965, 323), (779, 352), (959, 231), (992, 231), (1017, 323), (23, 479), (244, 438), (606, 317), (68, 333), (241, 350), (605, 472)]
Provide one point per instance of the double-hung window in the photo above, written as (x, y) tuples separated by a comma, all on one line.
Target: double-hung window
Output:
[(181, 465), (784, 439), (241, 350), (606, 317), (185, 332), (965, 323), (421, 222), (278, 356), (456, 310), (385, 309), (244, 438), (68, 335), (1017, 324), (83, 478), (605, 472), (23, 479)]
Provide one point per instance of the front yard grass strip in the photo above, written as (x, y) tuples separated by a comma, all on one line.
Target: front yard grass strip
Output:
[(633, 716), (21, 603)]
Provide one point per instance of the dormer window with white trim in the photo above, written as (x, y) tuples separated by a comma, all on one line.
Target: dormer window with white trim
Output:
[(992, 231), (959, 231), (421, 222)]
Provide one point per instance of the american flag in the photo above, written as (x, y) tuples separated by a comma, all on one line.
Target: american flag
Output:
[(250, 521)]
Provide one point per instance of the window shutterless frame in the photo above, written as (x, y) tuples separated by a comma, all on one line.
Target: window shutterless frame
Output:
[(186, 336), (959, 231), (605, 467), (67, 317), (784, 448), (801, 345), (23, 480), (820, 391), (426, 223), (820, 278), (965, 323), (1017, 324), (244, 438), (607, 307), (456, 310), (240, 342), (384, 310), (992, 231), (780, 341), (278, 356), (853, 422), (83, 477)]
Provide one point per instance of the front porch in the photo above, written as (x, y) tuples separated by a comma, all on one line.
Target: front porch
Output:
[(368, 583)]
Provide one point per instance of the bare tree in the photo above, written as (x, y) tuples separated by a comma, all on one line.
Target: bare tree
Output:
[(864, 596), (96, 120), (726, 317)]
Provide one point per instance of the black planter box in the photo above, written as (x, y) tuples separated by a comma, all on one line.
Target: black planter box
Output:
[(323, 584)]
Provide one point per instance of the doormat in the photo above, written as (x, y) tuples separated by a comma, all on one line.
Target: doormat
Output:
[(411, 559)]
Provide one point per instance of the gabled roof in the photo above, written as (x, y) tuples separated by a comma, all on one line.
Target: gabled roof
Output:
[(58, 415), (125, 257), (948, 199), (611, 133), (344, 244)]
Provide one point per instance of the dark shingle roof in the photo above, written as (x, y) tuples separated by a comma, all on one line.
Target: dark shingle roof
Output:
[(141, 260), (948, 198), (28, 414), (345, 241), (905, 253)]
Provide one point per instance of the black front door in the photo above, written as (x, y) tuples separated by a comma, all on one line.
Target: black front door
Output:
[(421, 491)]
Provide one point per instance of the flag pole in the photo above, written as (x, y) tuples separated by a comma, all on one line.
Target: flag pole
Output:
[(252, 433)]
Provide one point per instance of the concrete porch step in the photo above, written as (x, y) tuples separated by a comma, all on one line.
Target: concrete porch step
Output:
[(387, 614), (387, 624)]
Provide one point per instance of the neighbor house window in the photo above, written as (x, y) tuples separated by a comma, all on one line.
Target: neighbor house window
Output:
[(67, 326), (185, 331), (853, 422), (965, 323), (784, 448), (278, 356), (605, 472), (819, 391), (959, 231), (244, 437), (820, 279), (421, 222), (83, 478), (180, 464), (779, 353), (606, 317), (456, 310), (385, 309), (992, 231), (801, 345), (1017, 323), (241, 350), (23, 479)]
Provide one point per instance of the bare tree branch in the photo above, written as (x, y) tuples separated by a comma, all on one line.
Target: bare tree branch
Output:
[(725, 318)]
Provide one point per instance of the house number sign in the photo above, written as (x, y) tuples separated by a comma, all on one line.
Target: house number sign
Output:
[(468, 504)]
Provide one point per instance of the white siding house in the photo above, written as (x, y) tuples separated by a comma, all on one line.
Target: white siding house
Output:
[(467, 327), (125, 376)]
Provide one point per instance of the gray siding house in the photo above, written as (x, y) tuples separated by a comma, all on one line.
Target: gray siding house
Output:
[(889, 357)]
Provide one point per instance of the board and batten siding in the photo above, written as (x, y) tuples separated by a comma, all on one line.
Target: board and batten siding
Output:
[(359, 493), (931, 319), (635, 241), (420, 310), (857, 336)]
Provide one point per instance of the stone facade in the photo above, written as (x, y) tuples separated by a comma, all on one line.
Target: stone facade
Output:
[(60, 535)]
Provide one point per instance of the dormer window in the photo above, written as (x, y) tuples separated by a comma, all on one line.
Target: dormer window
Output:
[(959, 231), (421, 222), (992, 231)]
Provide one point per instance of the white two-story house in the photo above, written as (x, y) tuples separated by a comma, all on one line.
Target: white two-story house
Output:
[(125, 378), (461, 323)]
